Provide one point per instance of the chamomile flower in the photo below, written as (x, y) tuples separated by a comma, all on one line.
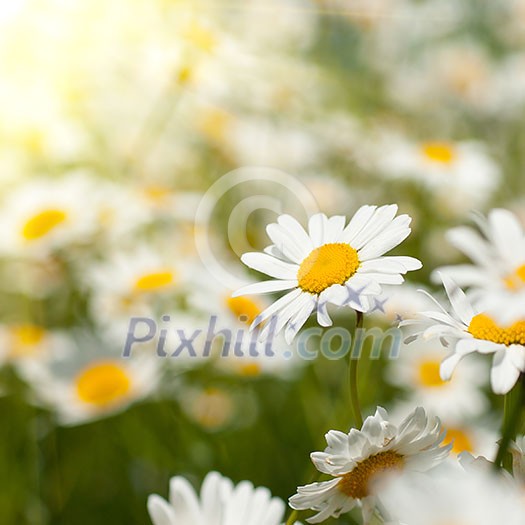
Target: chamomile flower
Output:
[(477, 439), (333, 263), (497, 252), (467, 330), (355, 461), (42, 215), (92, 383), (461, 175), (129, 282), (29, 341), (418, 370), (452, 495), (247, 356), (220, 503)]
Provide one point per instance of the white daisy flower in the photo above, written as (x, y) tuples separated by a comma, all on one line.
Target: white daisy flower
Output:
[(467, 330), (130, 280), (497, 252), (333, 263), (92, 383), (28, 341), (451, 495), (476, 439), (418, 370), (460, 175), (248, 356), (220, 503), (46, 214), (356, 459)]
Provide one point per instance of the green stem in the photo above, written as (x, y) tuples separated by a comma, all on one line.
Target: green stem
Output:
[(353, 365), (293, 516), (513, 409)]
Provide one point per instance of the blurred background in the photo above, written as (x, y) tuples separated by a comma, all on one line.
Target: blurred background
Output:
[(116, 118)]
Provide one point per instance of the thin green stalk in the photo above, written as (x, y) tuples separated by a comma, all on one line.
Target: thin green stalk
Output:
[(353, 366), (293, 516), (512, 412)]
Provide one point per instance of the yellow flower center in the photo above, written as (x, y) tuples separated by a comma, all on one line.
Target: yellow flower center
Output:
[(485, 328), (250, 369), (439, 152), (516, 280), (212, 409), (356, 484), (103, 384), (42, 223), (462, 442), (201, 37), (152, 282), (327, 265), (243, 308), (429, 376), (25, 338), (214, 124)]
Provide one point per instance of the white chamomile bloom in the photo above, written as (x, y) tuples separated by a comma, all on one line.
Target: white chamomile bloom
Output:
[(248, 356), (46, 214), (461, 175), (453, 496), (418, 370), (355, 461), (129, 281), (497, 252), (91, 383), (29, 341), (220, 503), (477, 439), (467, 330), (333, 263)]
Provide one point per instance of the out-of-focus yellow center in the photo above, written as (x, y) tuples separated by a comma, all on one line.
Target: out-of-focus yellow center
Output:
[(103, 384), (42, 223), (516, 280), (152, 282), (327, 265), (485, 328), (156, 193), (201, 37), (213, 408), (356, 484), (439, 152), (243, 308), (462, 442), (25, 338), (250, 369), (214, 124), (429, 376)]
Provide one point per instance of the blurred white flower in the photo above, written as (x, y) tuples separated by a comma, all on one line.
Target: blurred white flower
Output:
[(45, 214), (92, 382), (461, 175), (497, 272), (220, 503), (451, 495), (418, 370)]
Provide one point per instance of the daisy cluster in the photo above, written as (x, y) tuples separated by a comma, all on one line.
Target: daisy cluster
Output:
[(395, 209)]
